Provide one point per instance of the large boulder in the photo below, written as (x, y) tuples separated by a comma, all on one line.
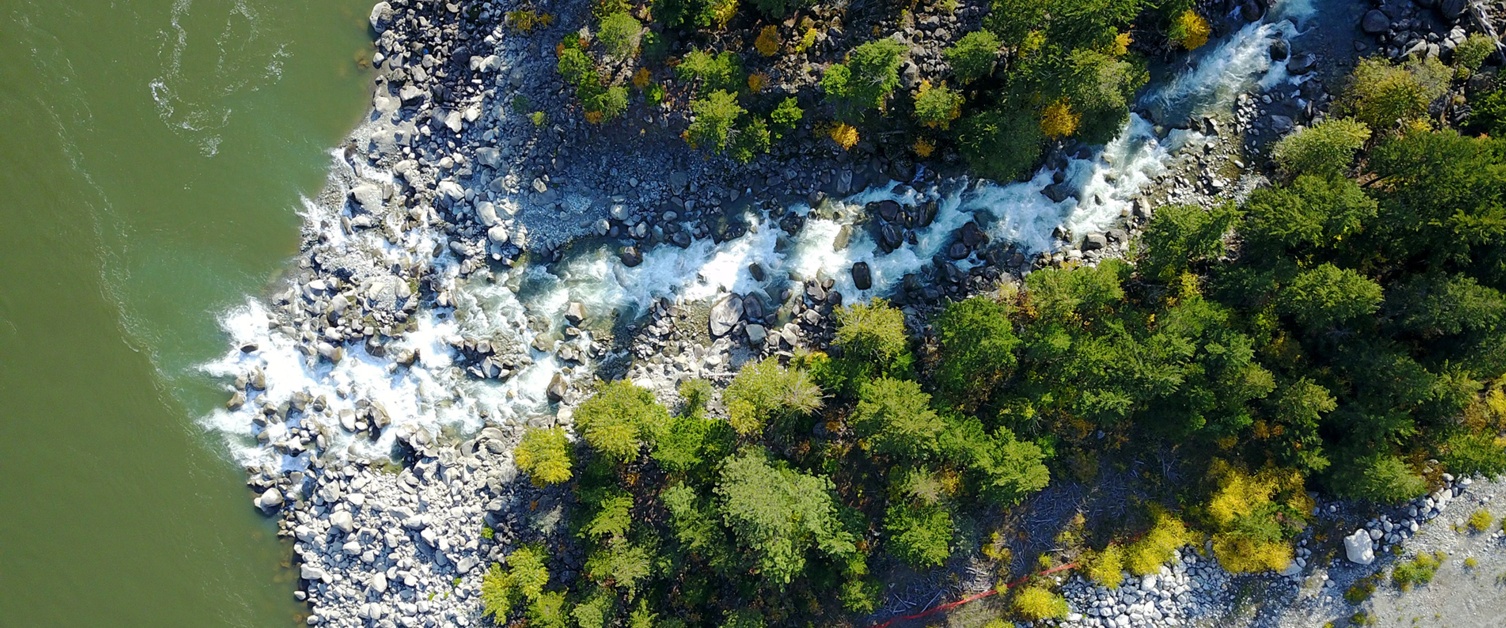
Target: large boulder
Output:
[(369, 196), (1302, 63), (556, 388), (725, 315), (862, 276), (1375, 22), (270, 500), (1357, 548), (1452, 10)]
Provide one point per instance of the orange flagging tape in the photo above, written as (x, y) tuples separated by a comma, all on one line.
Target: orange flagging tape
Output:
[(971, 598)]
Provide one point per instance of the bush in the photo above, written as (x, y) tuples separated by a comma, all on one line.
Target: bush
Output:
[(1471, 53), (544, 455), (1468, 454), (870, 74), (937, 107), (1035, 603), (845, 135), (1419, 570), (873, 333), (1324, 149), (974, 55), (715, 116), (619, 419), (1383, 95), (1480, 520), (1146, 555), (764, 391), (767, 43), (620, 34), (1106, 568), (1253, 515), (1000, 144), (919, 535)]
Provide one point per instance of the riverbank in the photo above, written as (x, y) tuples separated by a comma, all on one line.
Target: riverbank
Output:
[(468, 272)]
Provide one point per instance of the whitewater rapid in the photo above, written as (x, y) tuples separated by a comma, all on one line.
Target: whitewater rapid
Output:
[(524, 306)]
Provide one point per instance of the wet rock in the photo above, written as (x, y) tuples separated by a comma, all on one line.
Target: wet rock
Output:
[(887, 210), (556, 389), (1094, 242), (891, 236), (725, 315), (1280, 49), (236, 401), (1452, 9), (862, 277), (956, 251), (1375, 22), (575, 312), (756, 334), (631, 257), (1302, 63)]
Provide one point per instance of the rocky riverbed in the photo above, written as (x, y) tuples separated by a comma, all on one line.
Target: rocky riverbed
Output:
[(468, 272)]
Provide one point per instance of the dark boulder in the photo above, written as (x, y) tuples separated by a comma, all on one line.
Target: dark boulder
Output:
[(862, 277), (1375, 22)]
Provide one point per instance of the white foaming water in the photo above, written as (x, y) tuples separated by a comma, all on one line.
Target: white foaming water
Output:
[(518, 306)]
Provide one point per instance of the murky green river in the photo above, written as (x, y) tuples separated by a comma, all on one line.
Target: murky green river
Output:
[(152, 158)]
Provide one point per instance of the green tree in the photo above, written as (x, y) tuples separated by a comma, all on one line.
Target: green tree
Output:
[(870, 74), (526, 569), (622, 563), (1376, 477), (974, 55), (777, 9), (720, 72), (873, 333), (1328, 296), (544, 455), (548, 611), (1382, 95), (764, 391), (1001, 144), (895, 416), (619, 419), (1310, 215), (620, 34), (1324, 149), (786, 116), (751, 140), (1180, 236), (937, 106), (715, 116), (919, 535), (977, 345), (778, 515)]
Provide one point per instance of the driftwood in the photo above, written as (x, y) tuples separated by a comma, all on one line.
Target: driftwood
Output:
[(1481, 17)]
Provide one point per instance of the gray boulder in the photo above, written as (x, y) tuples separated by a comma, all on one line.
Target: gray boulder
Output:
[(270, 500), (725, 315), (1357, 548), (556, 389), (1452, 9)]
